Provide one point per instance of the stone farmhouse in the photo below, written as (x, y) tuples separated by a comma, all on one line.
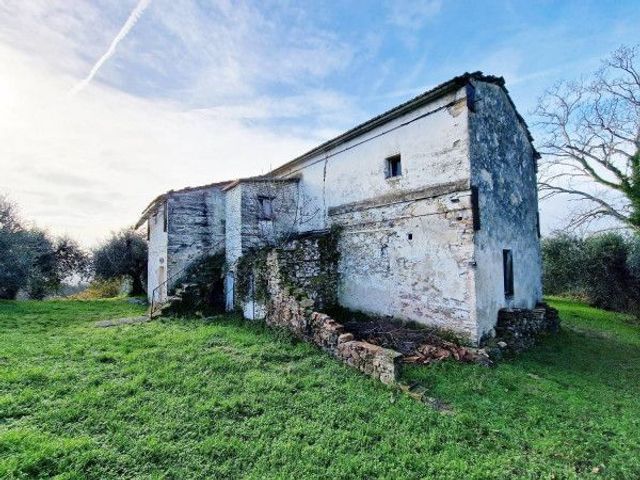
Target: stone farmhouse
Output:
[(436, 201)]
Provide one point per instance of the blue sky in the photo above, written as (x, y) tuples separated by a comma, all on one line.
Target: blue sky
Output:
[(198, 91)]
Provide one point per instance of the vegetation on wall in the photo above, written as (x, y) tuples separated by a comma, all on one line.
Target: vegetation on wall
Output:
[(251, 275), (201, 286), (324, 284)]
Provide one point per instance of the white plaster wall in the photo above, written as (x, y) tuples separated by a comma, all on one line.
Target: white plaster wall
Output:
[(428, 279), (233, 225), (157, 249), (434, 150)]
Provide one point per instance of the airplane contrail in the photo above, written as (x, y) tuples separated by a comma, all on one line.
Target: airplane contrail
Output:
[(126, 28)]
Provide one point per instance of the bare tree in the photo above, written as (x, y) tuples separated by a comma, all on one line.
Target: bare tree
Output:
[(10, 220), (591, 148)]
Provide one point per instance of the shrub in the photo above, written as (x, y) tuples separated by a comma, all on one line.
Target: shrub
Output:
[(124, 254), (100, 289), (603, 268), (606, 277), (563, 260), (633, 265), (633, 258)]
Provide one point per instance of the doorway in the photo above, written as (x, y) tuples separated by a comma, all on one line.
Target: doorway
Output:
[(229, 282), (162, 284)]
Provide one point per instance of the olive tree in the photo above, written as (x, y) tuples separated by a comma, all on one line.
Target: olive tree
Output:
[(32, 260), (123, 254)]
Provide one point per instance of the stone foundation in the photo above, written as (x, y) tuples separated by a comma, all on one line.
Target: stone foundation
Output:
[(520, 328)]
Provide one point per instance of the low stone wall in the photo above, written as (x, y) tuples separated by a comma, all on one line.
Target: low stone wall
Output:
[(290, 308), (520, 328)]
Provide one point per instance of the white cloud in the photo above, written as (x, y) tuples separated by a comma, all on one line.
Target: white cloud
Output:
[(413, 14), (86, 164), (199, 105)]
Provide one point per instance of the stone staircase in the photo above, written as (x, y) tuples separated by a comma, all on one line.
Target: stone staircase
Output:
[(173, 301)]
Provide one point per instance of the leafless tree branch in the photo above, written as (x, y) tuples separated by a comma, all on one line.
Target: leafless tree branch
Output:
[(592, 132)]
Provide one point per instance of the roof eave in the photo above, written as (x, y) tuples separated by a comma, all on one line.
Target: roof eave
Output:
[(146, 213), (402, 109)]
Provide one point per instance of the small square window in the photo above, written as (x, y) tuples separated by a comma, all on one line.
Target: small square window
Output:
[(266, 208), (394, 166)]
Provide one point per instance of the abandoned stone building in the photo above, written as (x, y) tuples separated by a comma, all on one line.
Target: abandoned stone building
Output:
[(435, 201)]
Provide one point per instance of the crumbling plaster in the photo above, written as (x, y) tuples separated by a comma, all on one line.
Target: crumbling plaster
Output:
[(407, 246), (157, 245), (407, 242), (503, 168)]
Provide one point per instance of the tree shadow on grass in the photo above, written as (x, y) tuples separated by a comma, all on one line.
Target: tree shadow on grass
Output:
[(588, 357)]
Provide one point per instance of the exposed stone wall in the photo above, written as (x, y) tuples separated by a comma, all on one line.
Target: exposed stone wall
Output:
[(503, 170), (309, 263), (196, 226), (248, 229), (288, 308), (519, 328), (259, 231)]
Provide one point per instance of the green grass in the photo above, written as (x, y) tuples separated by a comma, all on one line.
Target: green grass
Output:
[(227, 399)]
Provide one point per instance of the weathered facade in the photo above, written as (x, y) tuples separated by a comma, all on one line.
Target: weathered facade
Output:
[(435, 199), (181, 226)]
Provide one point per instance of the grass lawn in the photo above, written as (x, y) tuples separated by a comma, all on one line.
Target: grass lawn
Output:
[(227, 399)]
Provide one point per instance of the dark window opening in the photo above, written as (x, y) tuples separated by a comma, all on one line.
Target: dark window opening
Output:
[(475, 208), (410, 236), (166, 217), (394, 166), (471, 97), (266, 208), (507, 267)]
